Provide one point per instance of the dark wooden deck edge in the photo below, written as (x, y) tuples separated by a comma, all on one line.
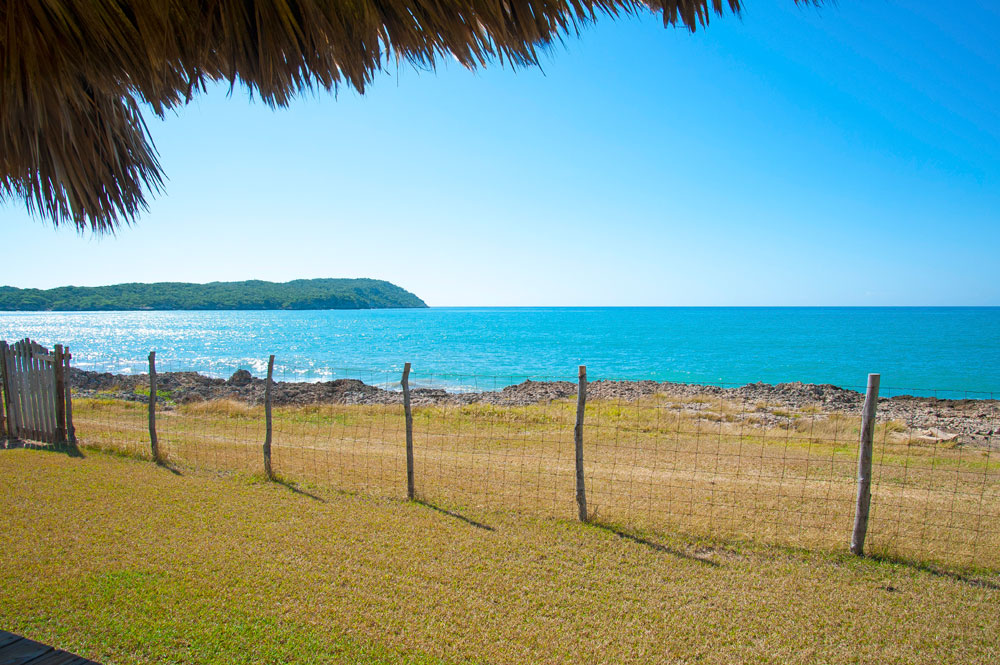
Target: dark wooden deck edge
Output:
[(17, 650)]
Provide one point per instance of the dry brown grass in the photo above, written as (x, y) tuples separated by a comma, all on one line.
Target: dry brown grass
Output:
[(700, 469)]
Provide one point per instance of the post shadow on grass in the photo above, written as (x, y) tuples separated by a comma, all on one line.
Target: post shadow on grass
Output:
[(935, 571), (163, 464), (653, 545), (70, 449), (296, 490), (458, 516)]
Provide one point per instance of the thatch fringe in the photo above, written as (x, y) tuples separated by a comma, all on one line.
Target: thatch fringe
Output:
[(73, 144)]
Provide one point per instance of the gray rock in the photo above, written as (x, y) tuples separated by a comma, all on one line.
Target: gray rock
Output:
[(240, 377)]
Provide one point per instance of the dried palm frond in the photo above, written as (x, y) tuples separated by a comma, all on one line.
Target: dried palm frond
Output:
[(73, 144)]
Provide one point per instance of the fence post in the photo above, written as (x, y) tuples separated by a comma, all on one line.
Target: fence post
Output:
[(70, 430), (153, 443), (10, 399), (60, 392), (11, 393), (268, 472), (865, 467), (581, 404), (410, 489), (5, 425)]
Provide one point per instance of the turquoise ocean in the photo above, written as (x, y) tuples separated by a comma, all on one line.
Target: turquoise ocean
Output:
[(948, 352)]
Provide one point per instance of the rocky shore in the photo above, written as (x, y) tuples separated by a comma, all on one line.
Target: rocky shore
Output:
[(962, 422)]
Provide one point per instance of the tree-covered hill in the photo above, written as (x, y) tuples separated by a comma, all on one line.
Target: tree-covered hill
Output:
[(254, 294)]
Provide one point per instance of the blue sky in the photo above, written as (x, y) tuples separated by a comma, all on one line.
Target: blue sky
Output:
[(843, 156)]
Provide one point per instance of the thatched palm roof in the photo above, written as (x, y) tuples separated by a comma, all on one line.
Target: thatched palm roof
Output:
[(73, 145)]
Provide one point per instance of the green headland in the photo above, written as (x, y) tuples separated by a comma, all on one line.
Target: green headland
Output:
[(253, 294)]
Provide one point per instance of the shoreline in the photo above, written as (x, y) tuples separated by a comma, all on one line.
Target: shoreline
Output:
[(927, 419)]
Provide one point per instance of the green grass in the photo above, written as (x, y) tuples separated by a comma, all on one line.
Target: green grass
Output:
[(161, 395), (126, 562)]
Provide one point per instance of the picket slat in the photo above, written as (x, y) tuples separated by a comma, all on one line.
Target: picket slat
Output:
[(5, 388), (43, 416), (48, 374), (15, 396), (15, 393), (36, 395), (42, 424), (48, 393), (34, 389), (70, 430), (24, 379), (9, 387)]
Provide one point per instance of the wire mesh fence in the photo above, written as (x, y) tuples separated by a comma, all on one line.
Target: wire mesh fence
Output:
[(758, 463), (937, 493)]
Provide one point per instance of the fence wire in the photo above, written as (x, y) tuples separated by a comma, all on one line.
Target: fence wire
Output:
[(768, 464)]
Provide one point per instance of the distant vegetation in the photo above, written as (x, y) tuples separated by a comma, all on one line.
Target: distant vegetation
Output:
[(254, 294)]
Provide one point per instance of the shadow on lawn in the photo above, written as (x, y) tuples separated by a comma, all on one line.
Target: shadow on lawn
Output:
[(659, 547), (935, 571), (169, 467), (292, 488), (68, 449), (458, 516)]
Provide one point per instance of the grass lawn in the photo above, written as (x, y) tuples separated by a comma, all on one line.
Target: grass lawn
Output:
[(126, 562)]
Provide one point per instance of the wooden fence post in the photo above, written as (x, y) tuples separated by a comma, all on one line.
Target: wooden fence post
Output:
[(268, 472), (60, 391), (5, 422), (153, 443), (9, 392), (3, 399), (12, 390), (70, 429), (865, 467), (410, 489), (581, 405)]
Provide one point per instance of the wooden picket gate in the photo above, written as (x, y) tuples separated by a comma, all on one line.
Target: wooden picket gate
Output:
[(36, 400)]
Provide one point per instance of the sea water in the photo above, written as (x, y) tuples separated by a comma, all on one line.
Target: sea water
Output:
[(934, 350)]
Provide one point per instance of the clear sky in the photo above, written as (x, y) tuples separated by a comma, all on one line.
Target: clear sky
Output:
[(843, 156)]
